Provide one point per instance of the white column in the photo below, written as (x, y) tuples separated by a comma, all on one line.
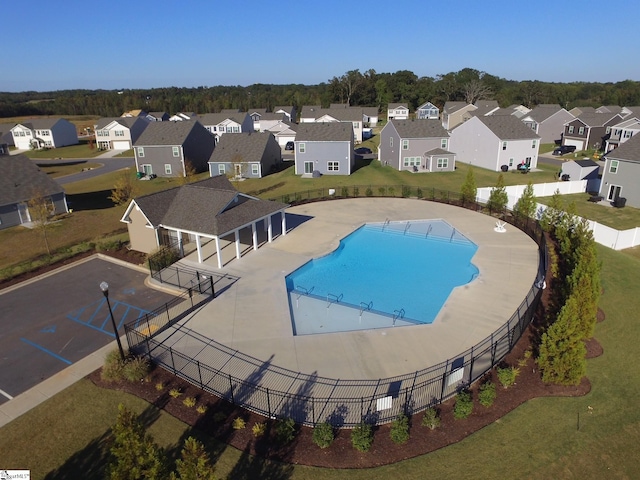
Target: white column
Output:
[(199, 247), (237, 235), (218, 254), (284, 223), (254, 235), (180, 249), (269, 229)]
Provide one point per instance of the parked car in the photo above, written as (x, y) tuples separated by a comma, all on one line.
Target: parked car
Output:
[(563, 149), (289, 146), (363, 151)]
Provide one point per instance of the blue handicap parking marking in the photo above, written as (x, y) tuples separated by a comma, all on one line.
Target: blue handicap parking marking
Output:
[(51, 329), (45, 350), (129, 291), (96, 315)]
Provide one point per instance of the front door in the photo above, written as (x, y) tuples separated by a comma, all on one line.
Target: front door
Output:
[(308, 167), (23, 211), (238, 169), (147, 169), (614, 192)]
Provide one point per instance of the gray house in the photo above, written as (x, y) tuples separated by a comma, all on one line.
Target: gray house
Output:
[(225, 122), (495, 141), (416, 146), (548, 122), (582, 170), (427, 111), (326, 148), (590, 130), (165, 148), (621, 174), (5, 133), (246, 155), (20, 181)]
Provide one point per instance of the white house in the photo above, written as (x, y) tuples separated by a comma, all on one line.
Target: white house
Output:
[(44, 133)]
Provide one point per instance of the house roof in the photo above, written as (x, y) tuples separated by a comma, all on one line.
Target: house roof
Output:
[(431, 128), (393, 106), (166, 133), (595, 119), (158, 114), (508, 127), (484, 107), (124, 121), (427, 105), (629, 150), (241, 147), (451, 107), (217, 118), (40, 123), (586, 163), (542, 112), (628, 122), (325, 132), (21, 179), (212, 206), (438, 151)]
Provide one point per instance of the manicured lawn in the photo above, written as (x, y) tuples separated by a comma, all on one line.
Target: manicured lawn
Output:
[(541, 439), (56, 169), (82, 150)]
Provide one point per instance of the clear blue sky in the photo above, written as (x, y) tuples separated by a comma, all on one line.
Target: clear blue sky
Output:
[(113, 44)]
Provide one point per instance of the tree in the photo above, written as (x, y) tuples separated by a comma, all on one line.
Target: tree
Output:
[(189, 173), (476, 90), (125, 189), (498, 197), (194, 462), (41, 208), (134, 455), (525, 207), (469, 191)]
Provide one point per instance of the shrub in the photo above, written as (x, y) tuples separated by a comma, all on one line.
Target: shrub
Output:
[(345, 191), (239, 423), (113, 366), (323, 435), (463, 406), (406, 191), (431, 418), (162, 257), (356, 191), (285, 430), (189, 402), (400, 430), (487, 394), (219, 417), (286, 198), (368, 192), (259, 429), (135, 369), (108, 245), (362, 437), (392, 192), (381, 191), (201, 409), (419, 193), (159, 386), (507, 376), (175, 392)]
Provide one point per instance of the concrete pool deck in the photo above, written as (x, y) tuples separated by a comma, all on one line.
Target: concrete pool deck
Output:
[(253, 316)]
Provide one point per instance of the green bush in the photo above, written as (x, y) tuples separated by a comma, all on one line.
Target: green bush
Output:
[(219, 417), (201, 409), (464, 405), (356, 191), (392, 192), (239, 423), (507, 376), (382, 191), (175, 392), (368, 192), (406, 191), (259, 429), (419, 193), (285, 430), (113, 366), (323, 435), (400, 430), (362, 437), (162, 257), (345, 191), (189, 402), (286, 198), (431, 418), (135, 369), (108, 245), (487, 394)]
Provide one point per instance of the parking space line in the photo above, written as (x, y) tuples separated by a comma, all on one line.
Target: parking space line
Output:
[(6, 394), (40, 347)]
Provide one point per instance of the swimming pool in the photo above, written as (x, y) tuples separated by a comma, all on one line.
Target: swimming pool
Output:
[(402, 271)]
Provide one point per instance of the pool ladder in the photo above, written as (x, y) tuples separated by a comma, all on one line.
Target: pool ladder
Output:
[(386, 222), (337, 298), (365, 306), (303, 291), (397, 314)]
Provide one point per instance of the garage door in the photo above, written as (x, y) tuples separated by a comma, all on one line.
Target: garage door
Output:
[(121, 145), (578, 143)]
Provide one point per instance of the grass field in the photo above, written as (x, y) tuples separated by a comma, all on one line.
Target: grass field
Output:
[(56, 169), (82, 150), (541, 439)]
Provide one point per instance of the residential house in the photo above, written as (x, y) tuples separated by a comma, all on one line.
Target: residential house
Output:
[(263, 121), (370, 116), (416, 146), (220, 123), (397, 111), (199, 212), (40, 133), (134, 113), (577, 111), (589, 130), (246, 155), (289, 110), (346, 114), (326, 148), (20, 181), (5, 133), (119, 133), (427, 111), (284, 132), (483, 108), (495, 141), (548, 122), (621, 132), (455, 113), (582, 170), (169, 149), (611, 109), (621, 174), (181, 116), (157, 116)]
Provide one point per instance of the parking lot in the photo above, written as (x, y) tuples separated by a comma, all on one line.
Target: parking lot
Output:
[(56, 320)]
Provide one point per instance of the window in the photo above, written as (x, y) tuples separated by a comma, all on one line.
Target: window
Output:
[(533, 144), (221, 170), (141, 152), (48, 143), (333, 166), (391, 142), (511, 162), (255, 169), (236, 129), (443, 143), (411, 161), (28, 133), (356, 125), (167, 169), (176, 151), (613, 166), (608, 130), (119, 133), (581, 131), (301, 147), (443, 162), (504, 145), (628, 133), (405, 144), (570, 128)]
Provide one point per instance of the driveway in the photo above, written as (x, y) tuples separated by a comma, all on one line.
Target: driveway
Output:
[(108, 165), (59, 318)]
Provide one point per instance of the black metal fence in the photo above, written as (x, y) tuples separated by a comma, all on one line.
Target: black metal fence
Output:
[(308, 399)]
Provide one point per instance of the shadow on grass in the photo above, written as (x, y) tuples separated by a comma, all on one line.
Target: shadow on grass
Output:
[(90, 200), (88, 463), (249, 467)]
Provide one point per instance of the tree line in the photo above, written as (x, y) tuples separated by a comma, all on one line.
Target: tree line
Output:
[(354, 87)]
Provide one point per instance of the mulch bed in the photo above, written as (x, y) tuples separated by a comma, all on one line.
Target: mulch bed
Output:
[(217, 420)]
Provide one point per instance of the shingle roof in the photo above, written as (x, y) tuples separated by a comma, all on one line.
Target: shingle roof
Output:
[(508, 127), (450, 107), (542, 112), (629, 150), (596, 119), (40, 123), (246, 147), (587, 163), (393, 106), (211, 206), (124, 121), (324, 132), (216, 118), (431, 128), (439, 151), (21, 179), (165, 133)]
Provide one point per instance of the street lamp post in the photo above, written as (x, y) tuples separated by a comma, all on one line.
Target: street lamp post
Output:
[(104, 286)]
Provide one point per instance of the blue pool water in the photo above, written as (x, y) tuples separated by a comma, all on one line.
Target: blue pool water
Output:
[(400, 269)]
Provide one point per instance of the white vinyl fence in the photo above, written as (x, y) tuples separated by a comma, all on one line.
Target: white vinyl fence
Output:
[(607, 236)]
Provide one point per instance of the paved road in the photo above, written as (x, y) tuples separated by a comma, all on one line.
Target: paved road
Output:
[(108, 165)]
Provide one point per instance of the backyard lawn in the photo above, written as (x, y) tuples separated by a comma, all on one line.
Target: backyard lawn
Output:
[(82, 150)]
